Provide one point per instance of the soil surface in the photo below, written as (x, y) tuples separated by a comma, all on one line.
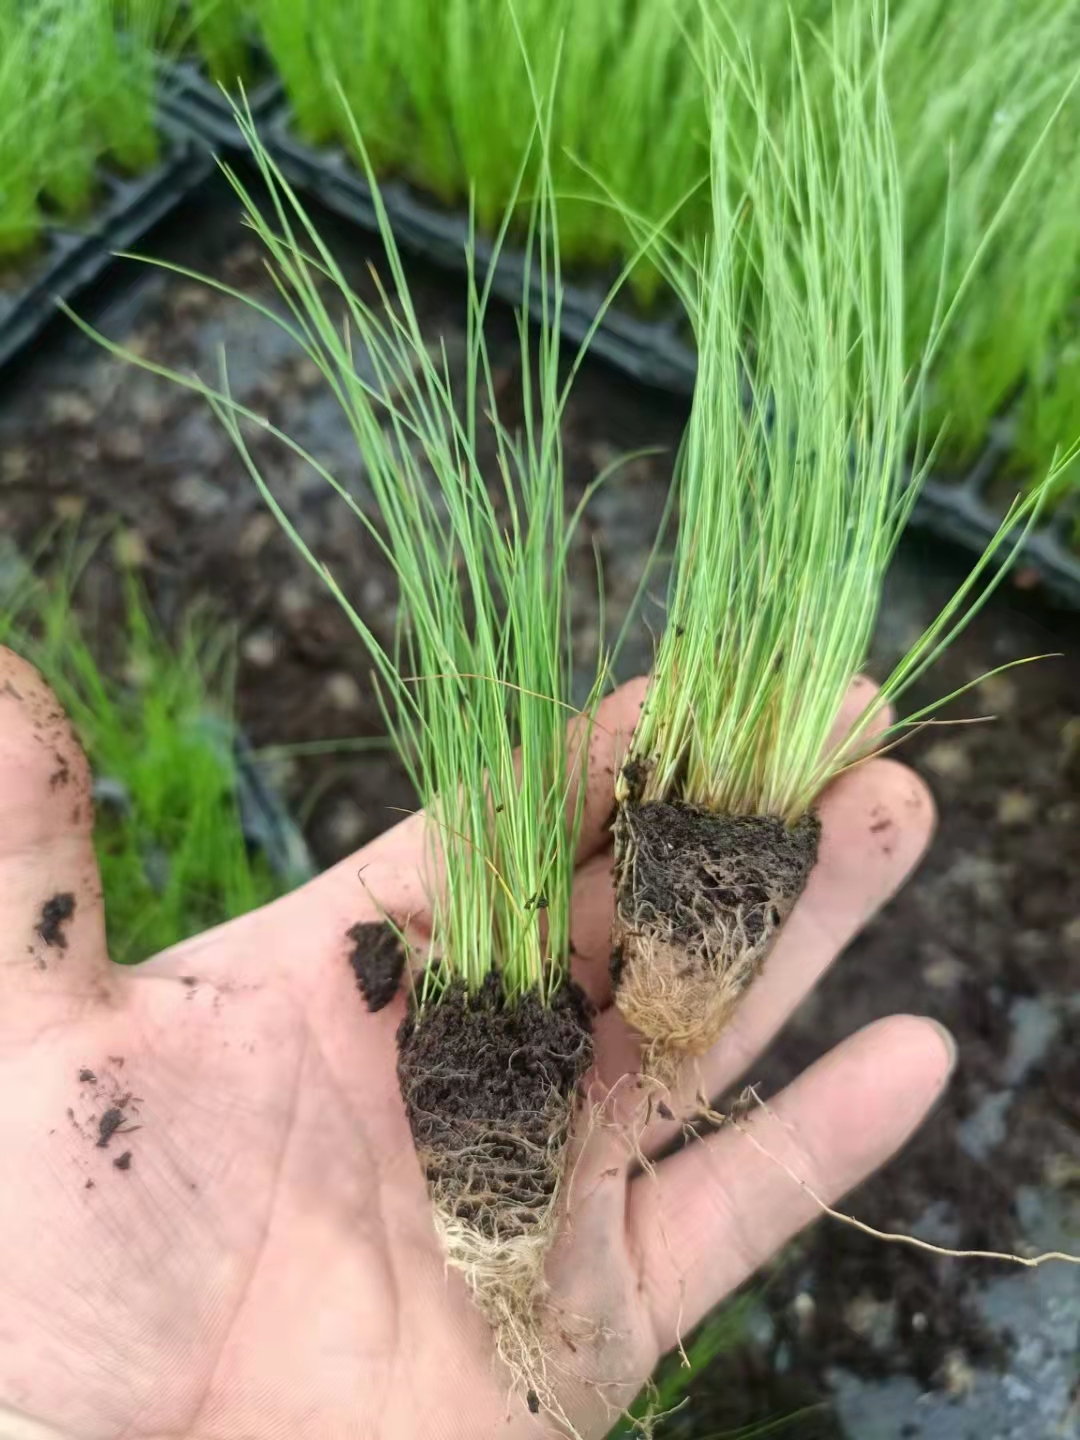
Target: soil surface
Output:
[(886, 1343), (688, 873), (377, 960), (489, 1088)]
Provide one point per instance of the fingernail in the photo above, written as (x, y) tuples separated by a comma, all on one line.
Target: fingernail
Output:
[(949, 1041)]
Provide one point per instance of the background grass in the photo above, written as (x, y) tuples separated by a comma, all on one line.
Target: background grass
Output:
[(77, 86), (442, 98), (156, 726), (440, 91)]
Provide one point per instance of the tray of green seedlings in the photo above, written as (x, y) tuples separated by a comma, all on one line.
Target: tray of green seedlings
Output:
[(211, 49), (86, 167), (445, 104)]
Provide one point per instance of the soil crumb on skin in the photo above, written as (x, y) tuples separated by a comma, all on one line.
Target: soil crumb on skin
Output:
[(377, 961), (123, 1162), (87, 1077), (55, 914), (108, 1125), (633, 775), (489, 1090), (700, 898)]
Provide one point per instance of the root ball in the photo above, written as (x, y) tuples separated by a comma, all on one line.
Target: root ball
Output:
[(699, 899), (490, 1091)]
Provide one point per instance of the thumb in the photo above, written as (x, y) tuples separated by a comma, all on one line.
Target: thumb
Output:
[(52, 929)]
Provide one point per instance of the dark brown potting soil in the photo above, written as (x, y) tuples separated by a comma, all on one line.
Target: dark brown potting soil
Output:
[(108, 1125), (690, 874), (55, 914), (489, 1081), (377, 960)]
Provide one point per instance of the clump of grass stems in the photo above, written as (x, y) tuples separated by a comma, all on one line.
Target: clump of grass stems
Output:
[(155, 719), (475, 690), (221, 31), (970, 94), (481, 668), (793, 494), (77, 85)]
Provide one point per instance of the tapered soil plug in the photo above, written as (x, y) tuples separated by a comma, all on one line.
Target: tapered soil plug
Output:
[(699, 899), (490, 1090)]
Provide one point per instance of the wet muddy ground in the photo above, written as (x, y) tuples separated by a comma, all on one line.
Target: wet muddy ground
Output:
[(882, 1342)]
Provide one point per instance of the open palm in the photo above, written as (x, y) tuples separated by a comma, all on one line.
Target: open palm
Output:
[(250, 1252)]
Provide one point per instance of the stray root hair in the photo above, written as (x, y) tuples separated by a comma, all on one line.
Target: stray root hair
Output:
[(891, 1237)]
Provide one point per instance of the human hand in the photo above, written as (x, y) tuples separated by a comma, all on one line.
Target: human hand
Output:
[(266, 1264)]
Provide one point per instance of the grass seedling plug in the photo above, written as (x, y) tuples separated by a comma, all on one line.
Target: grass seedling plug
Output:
[(793, 492), (475, 685)]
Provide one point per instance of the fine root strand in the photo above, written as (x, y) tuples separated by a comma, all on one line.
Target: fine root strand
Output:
[(890, 1237), (497, 1201)]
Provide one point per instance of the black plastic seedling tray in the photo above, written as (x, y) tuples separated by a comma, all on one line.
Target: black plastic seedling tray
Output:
[(650, 351), (266, 823), (74, 258), (194, 102), (963, 512)]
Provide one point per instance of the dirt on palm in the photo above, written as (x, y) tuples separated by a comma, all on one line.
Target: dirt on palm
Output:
[(377, 960)]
